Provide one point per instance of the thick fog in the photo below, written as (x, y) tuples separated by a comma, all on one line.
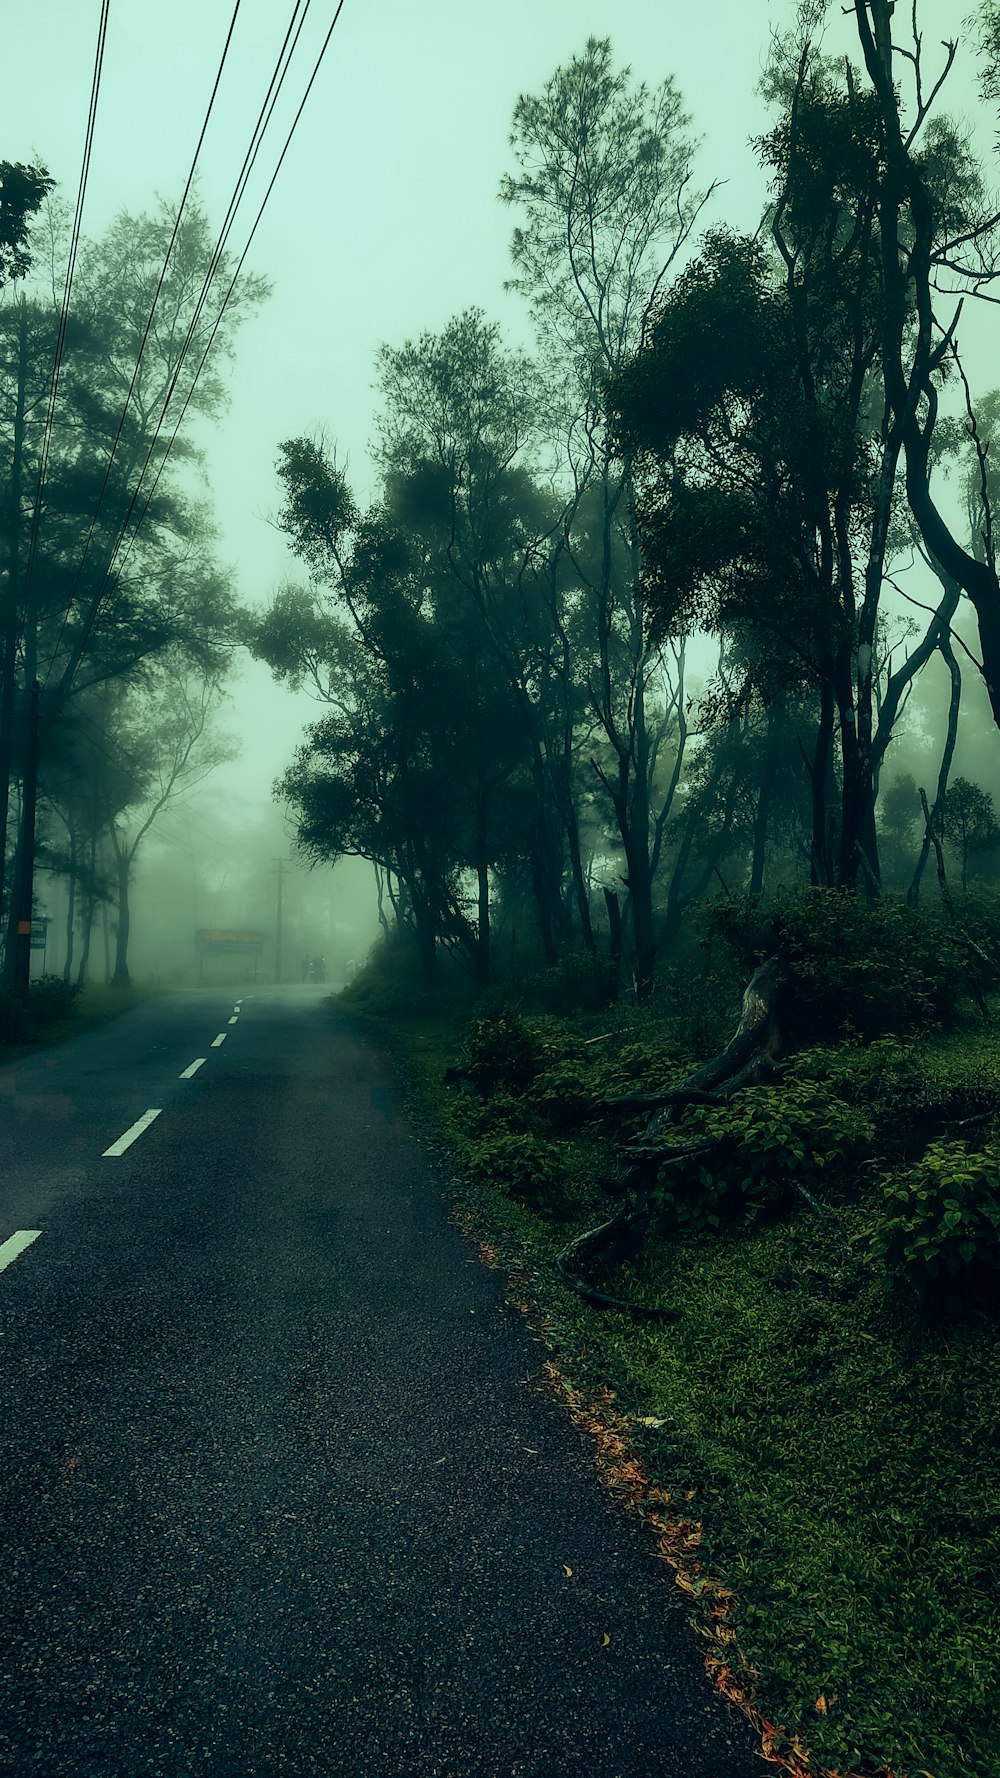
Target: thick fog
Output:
[(384, 222)]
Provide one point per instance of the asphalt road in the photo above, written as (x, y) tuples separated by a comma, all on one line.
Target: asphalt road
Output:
[(280, 1495)]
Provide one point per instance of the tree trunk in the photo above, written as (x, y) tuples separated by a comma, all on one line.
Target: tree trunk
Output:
[(70, 908), (120, 978), (765, 796), (954, 705), (482, 960), (613, 906), (8, 656), (426, 939), (820, 770)]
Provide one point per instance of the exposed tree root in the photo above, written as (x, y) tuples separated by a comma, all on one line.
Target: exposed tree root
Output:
[(749, 1059)]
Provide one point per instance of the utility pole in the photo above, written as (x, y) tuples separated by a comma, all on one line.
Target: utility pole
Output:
[(8, 644), (25, 890), (280, 862)]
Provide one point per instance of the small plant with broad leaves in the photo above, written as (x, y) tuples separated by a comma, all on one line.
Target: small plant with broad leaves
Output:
[(525, 1168), (764, 1141), (941, 1220), (501, 1051)]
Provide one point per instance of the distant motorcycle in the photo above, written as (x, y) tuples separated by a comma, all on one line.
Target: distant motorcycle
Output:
[(317, 970)]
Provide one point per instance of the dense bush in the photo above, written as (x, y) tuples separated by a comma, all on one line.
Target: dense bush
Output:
[(577, 983), (50, 999), (769, 1139), (501, 1050), (567, 1093), (942, 1218), (911, 1087), (858, 969), (518, 1163)]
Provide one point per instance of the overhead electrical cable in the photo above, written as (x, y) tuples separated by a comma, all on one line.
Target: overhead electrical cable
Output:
[(263, 119), (94, 611), (43, 462), (149, 319)]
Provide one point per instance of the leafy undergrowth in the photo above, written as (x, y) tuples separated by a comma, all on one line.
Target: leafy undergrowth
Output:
[(814, 1441), (55, 1012)]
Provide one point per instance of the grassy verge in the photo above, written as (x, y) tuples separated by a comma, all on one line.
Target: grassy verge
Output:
[(55, 1013), (815, 1450)]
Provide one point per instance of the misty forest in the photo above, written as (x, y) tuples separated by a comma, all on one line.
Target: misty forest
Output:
[(655, 681)]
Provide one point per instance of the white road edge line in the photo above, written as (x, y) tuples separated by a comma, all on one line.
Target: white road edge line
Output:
[(133, 1132), (193, 1069), (16, 1244), (220, 1039)]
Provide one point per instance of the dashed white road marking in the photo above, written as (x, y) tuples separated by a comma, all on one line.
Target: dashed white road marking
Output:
[(236, 1008), (235, 1019), (16, 1244), (133, 1132), (220, 1039), (193, 1069)]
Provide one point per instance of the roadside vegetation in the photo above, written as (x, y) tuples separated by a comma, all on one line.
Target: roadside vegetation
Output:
[(816, 1423), (56, 1009)]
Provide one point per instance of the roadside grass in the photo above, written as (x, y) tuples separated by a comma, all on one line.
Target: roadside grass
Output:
[(834, 1438), (56, 1012)]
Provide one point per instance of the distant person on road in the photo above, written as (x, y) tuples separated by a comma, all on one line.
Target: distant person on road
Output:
[(319, 969)]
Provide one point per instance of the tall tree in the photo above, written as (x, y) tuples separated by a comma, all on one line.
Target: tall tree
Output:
[(23, 189), (92, 596), (940, 247), (770, 492), (603, 187)]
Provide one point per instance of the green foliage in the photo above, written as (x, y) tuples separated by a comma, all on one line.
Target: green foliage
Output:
[(566, 1093), (859, 969), (500, 1050), (769, 1139), (523, 1166), (908, 1087), (577, 983), (49, 1002), (943, 1220), (22, 191), (969, 825)]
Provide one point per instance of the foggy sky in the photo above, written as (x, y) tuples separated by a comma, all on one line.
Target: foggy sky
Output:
[(385, 219)]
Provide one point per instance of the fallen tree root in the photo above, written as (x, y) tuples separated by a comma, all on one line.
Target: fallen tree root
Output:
[(749, 1059)]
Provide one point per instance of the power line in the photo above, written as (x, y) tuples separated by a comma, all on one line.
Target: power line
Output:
[(43, 464), (94, 611), (249, 160), (149, 318)]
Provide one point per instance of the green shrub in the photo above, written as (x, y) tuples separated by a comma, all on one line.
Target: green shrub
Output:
[(50, 999), (577, 983), (567, 1093), (858, 969), (657, 1062), (769, 1139), (477, 1117), (909, 1087), (517, 1163), (943, 1216), (501, 1050)]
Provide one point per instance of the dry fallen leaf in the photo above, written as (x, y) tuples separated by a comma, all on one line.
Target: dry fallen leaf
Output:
[(821, 1704), (566, 1569), (605, 1639)]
